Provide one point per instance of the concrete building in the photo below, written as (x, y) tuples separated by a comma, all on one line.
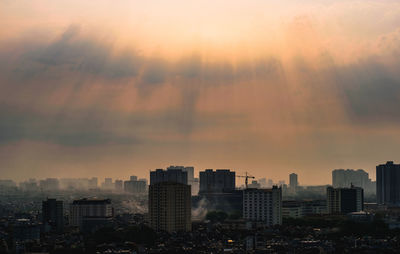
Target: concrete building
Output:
[(293, 181), (107, 184), (263, 205), (49, 184), (345, 178), (53, 214), (345, 200), (135, 187), (170, 206), (93, 183), (218, 181), (118, 185), (298, 209), (388, 184), (172, 174), (85, 209)]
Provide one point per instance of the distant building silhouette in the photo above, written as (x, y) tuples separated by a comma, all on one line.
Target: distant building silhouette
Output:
[(118, 185), (135, 187), (388, 183), (218, 181), (107, 184), (49, 184), (93, 183), (293, 181), (53, 214), (359, 178), (172, 174), (263, 205), (345, 200)]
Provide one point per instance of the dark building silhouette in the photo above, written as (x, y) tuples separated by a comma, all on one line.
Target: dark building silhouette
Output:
[(170, 206), (388, 183), (88, 214), (359, 178), (218, 181), (345, 200), (172, 174), (53, 214)]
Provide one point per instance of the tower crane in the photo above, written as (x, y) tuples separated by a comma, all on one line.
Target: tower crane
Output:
[(246, 176)]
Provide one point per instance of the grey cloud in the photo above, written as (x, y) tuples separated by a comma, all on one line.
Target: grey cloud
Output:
[(77, 53), (371, 92)]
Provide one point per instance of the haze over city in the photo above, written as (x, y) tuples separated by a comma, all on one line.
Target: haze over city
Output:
[(119, 88)]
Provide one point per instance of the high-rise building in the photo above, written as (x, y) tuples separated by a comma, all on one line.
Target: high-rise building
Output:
[(143, 180), (218, 181), (345, 178), (170, 206), (263, 205), (133, 178), (49, 184), (345, 200), (119, 185), (83, 210), (108, 184), (388, 183), (53, 214), (93, 182), (293, 183), (29, 186), (135, 187), (172, 174)]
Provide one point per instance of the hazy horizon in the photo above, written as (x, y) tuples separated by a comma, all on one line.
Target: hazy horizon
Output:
[(119, 88)]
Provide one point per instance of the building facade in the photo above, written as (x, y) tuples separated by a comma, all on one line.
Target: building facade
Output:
[(218, 181), (298, 209), (345, 178), (89, 208), (172, 174), (345, 200), (263, 205), (135, 187), (170, 206), (53, 214), (293, 181), (388, 183)]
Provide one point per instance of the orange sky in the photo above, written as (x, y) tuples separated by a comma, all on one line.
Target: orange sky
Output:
[(116, 88)]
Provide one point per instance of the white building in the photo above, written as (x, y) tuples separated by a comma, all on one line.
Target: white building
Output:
[(263, 205)]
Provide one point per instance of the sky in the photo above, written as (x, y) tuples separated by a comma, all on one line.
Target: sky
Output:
[(118, 88)]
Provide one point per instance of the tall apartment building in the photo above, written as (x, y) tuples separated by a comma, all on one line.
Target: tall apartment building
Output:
[(388, 183), (107, 184), (49, 184), (172, 174), (53, 214), (293, 181), (263, 205), (135, 187), (345, 178), (170, 206), (118, 185), (89, 209), (93, 183), (345, 200), (218, 181)]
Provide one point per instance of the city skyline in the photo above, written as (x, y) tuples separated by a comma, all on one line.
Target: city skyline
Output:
[(263, 87)]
